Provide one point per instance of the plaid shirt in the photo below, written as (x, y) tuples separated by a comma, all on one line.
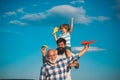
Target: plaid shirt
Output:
[(57, 72)]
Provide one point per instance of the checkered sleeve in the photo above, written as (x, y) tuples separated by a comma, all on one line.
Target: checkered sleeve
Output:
[(72, 58), (42, 74)]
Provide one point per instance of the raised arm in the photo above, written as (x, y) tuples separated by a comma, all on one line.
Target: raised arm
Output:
[(54, 33), (55, 37), (43, 51), (71, 25)]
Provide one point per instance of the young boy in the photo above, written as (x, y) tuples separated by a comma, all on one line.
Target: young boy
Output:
[(66, 34)]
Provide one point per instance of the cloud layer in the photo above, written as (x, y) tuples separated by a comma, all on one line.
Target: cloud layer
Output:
[(65, 11), (18, 22), (92, 49)]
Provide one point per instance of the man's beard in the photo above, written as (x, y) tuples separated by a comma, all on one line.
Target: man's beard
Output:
[(61, 50), (52, 61)]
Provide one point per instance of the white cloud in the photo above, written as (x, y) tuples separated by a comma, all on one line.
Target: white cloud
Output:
[(77, 1), (31, 17), (10, 13), (66, 11), (63, 10), (34, 17), (20, 10), (92, 49), (102, 18), (79, 13), (17, 22)]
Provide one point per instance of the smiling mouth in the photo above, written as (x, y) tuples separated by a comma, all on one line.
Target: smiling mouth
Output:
[(61, 48)]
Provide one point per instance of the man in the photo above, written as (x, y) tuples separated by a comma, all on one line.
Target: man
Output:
[(62, 53), (55, 69)]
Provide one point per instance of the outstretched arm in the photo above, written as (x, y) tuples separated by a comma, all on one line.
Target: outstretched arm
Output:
[(71, 25), (76, 57), (83, 50)]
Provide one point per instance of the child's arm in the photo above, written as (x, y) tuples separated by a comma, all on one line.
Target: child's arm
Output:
[(54, 33), (71, 25), (55, 37)]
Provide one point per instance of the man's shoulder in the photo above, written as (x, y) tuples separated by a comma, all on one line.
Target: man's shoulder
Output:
[(45, 65)]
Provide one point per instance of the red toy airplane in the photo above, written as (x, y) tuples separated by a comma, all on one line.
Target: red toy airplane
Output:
[(87, 42)]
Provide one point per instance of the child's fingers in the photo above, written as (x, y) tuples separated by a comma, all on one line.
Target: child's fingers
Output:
[(55, 30)]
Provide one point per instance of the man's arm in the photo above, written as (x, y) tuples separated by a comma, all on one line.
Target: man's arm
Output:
[(43, 50), (84, 50), (76, 57), (42, 74), (71, 25), (44, 59)]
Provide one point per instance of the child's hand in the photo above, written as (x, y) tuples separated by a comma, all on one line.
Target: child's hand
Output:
[(54, 34), (55, 30)]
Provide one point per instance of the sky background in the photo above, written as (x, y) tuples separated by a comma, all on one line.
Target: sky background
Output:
[(26, 25)]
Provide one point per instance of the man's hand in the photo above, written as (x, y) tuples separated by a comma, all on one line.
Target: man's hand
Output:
[(43, 50), (86, 47)]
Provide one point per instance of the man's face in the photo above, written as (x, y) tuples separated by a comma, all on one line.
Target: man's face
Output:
[(61, 48), (52, 56)]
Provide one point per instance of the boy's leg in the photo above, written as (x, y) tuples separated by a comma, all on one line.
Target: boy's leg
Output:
[(68, 54)]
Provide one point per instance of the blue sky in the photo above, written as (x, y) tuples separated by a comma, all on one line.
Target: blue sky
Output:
[(26, 25)]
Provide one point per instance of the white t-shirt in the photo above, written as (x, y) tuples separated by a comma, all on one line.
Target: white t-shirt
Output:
[(64, 56), (66, 36)]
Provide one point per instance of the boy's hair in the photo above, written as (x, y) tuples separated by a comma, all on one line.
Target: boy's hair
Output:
[(61, 40), (66, 26)]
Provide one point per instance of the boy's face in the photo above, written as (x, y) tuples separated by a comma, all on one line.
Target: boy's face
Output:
[(63, 30)]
